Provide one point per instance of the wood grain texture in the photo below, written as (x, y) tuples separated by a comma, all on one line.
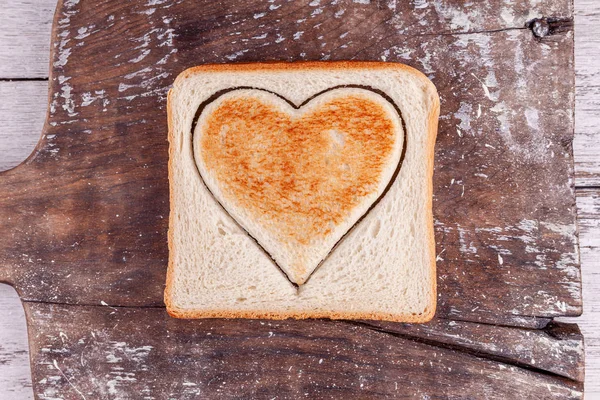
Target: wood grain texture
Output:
[(103, 352), (588, 204), (587, 118), (15, 372), (494, 250), (584, 260), (22, 112), (25, 38), (536, 349)]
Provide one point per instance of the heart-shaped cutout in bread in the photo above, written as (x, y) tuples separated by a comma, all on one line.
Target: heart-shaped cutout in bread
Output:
[(297, 178)]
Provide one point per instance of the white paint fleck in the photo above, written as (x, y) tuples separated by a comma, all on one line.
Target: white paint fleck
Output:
[(457, 16), (486, 90), (120, 379), (532, 117), (123, 87), (508, 16), (464, 246), (235, 55), (464, 115), (67, 379), (564, 230), (140, 57), (298, 35), (259, 15), (88, 98), (69, 103), (112, 359), (420, 4), (63, 55), (82, 33), (139, 72), (149, 11), (426, 60)]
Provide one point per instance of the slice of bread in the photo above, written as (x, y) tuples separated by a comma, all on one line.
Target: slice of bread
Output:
[(302, 190)]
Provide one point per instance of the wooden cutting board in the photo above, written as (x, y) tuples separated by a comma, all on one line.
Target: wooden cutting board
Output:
[(84, 219)]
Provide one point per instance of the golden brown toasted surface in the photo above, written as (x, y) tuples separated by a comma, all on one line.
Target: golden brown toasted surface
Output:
[(301, 174)]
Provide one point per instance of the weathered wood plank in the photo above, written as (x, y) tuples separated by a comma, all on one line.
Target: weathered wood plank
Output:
[(15, 372), (587, 118), (22, 112), (588, 258), (538, 349), (501, 235), (143, 351), (25, 38), (588, 204), (588, 208), (589, 322), (25, 43)]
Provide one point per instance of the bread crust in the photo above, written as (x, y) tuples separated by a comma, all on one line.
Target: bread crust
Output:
[(432, 122)]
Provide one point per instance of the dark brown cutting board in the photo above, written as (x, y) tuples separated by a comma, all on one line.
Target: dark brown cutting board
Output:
[(84, 219)]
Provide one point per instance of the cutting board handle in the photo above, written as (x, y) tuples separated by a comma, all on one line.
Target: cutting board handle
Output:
[(16, 208)]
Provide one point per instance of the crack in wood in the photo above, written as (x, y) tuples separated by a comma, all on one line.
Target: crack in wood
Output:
[(45, 79), (483, 31), (57, 303), (466, 338), (544, 321), (462, 349), (590, 187)]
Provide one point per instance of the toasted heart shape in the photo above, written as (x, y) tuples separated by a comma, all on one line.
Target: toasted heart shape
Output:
[(298, 178)]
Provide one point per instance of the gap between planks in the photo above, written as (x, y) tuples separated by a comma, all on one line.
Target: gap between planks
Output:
[(544, 321), (460, 348)]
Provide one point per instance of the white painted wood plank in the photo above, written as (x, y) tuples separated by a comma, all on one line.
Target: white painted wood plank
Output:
[(588, 210), (15, 373), (588, 206), (25, 37), (22, 113), (587, 116)]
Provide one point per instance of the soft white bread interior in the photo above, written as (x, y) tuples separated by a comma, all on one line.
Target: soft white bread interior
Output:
[(231, 255), (298, 179)]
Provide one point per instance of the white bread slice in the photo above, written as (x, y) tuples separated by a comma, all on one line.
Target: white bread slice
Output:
[(236, 251), (298, 179)]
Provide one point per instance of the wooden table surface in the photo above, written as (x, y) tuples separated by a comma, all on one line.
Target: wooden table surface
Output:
[(24, 51)]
